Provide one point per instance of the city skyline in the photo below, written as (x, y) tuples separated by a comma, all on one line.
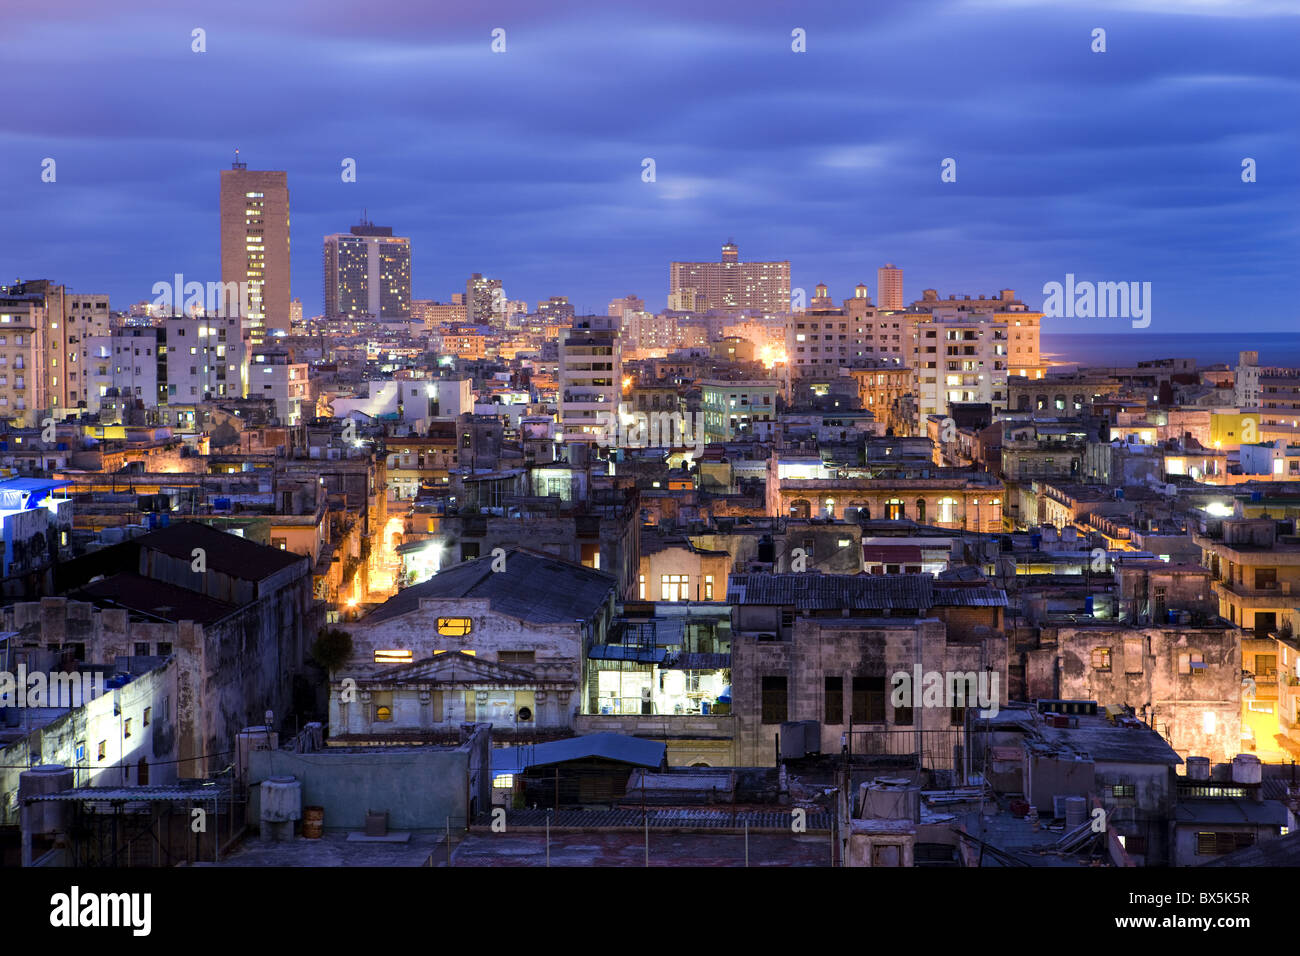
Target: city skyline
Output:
[(838, 184)]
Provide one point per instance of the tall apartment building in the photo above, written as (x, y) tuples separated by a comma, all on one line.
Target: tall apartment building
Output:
[(255, 247), (367, 274), (590, 374), (965, 354), (484, 300), (272, 373), (685, 299), (823, 339), (85, 317), (889, 286), (730, 284), (24, 320), (295, 312), (619, 308), (645, 331), (201, 358), (69, 318), (127, 363), (556, 307), (1271, 391), (433, 313)]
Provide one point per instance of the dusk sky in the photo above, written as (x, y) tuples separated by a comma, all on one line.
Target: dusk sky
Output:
[(527, 165)]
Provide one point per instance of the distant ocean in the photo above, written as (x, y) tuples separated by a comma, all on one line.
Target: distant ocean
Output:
[(1208, 348)]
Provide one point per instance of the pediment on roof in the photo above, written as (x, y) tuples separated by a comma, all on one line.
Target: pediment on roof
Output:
[(453, 667)]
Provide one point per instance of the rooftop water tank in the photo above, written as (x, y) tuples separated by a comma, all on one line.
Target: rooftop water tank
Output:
[(1198, 768), (44, 817), (1246, 768), (890, 798), (281, 807)]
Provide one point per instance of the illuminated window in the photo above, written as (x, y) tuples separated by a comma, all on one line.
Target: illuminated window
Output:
[(505, 781), (454, 626), (672, 587), (394, 657), (1101, 658)]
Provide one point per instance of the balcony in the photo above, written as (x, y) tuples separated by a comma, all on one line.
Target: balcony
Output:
[(1266, 598)]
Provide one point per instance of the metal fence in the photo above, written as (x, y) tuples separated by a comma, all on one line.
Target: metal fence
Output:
[(924, 749)]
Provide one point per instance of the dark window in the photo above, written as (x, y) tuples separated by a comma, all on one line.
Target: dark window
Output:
[(164, 649), (141, 649), (904, 716), (468, 550), (774, 700), (958, 717), (834, 700), (869, 700)]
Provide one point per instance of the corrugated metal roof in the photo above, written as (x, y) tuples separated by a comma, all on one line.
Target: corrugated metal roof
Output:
[(623, 652), (135, 794), (630, 750), (828, 591)]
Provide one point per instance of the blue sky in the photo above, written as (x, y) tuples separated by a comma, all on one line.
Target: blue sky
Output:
[(526, 165)]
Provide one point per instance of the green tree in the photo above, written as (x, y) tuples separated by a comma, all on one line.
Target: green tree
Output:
[(332, 648)]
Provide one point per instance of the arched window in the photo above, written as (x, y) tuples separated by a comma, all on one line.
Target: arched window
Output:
[(800, 508), (828, 508), (894, 509), (947, 510), (920, 510)]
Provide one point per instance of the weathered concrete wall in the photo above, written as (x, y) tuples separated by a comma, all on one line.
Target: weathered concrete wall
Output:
[(419, 787), (555, 672), (847, 648), (101, 719), (227, 674), (880, 843), (1148, 671)]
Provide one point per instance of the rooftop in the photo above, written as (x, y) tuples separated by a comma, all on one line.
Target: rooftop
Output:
[(860, 592), (225, 552), (153, 598), (534, 587)]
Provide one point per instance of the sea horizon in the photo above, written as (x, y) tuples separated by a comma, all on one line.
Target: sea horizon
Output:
[(1207, 348)]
